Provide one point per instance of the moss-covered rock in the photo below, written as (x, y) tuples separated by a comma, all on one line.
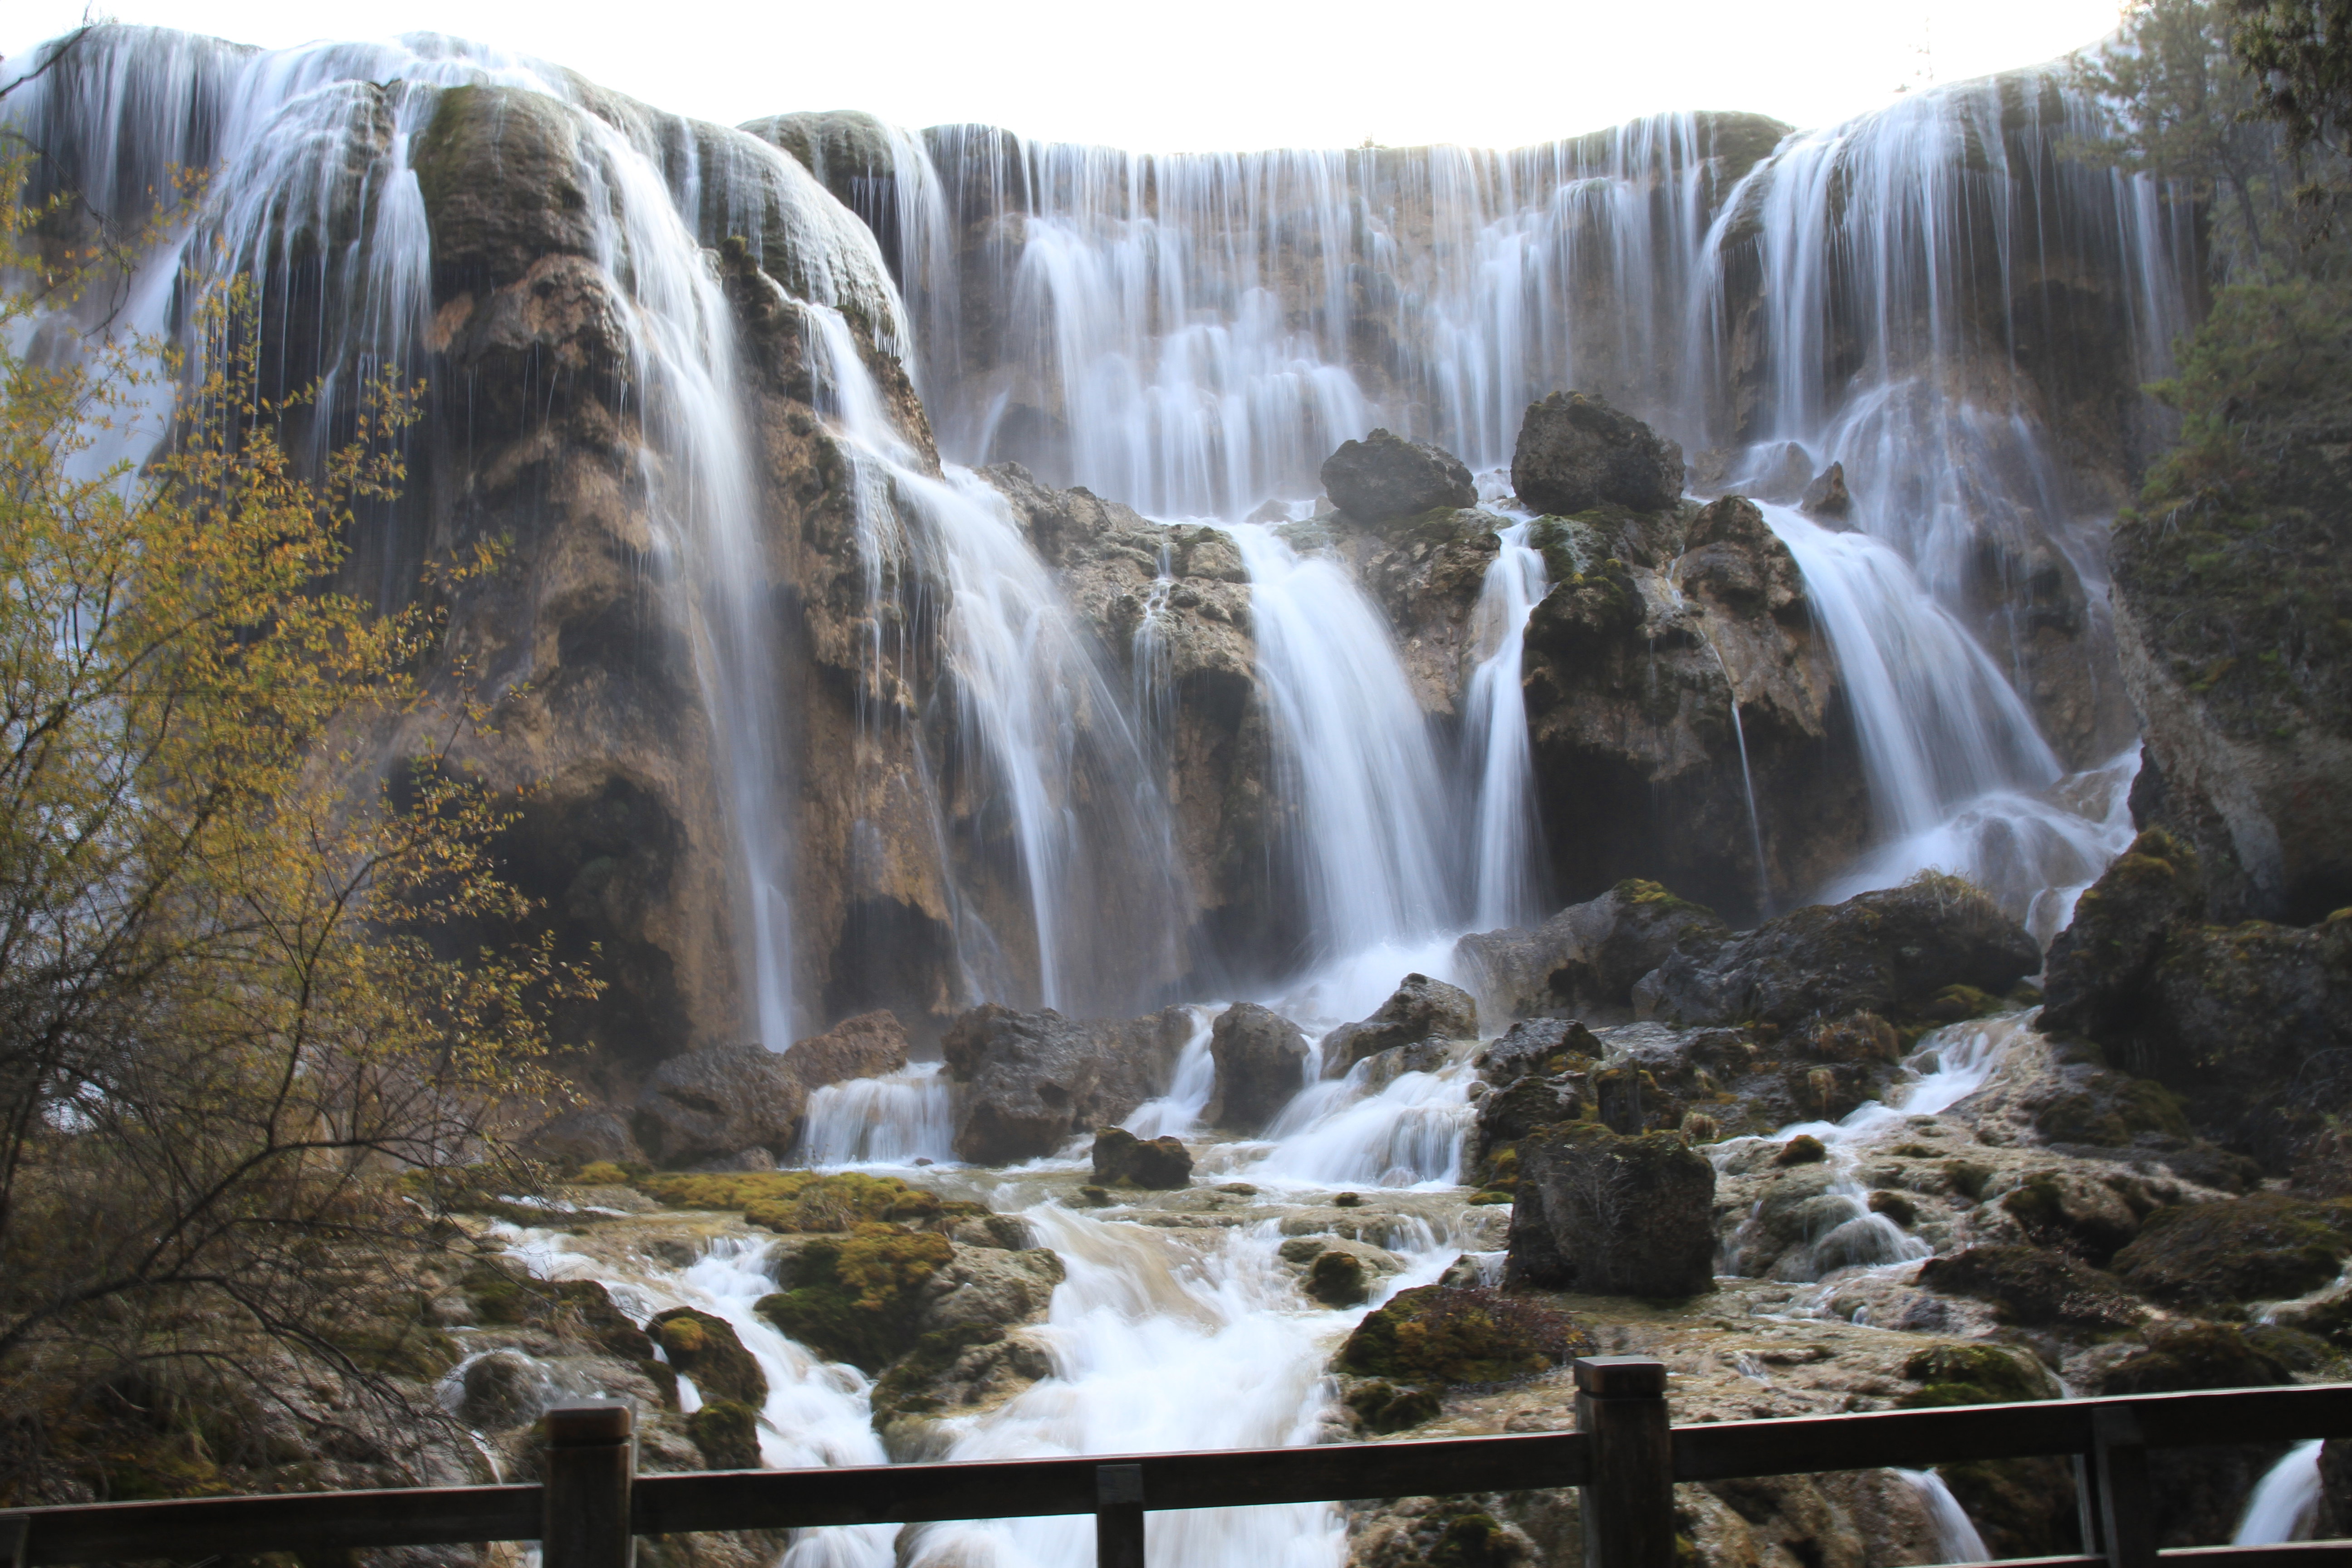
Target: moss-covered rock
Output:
[(1123, 1160), (2033, 1287), (2263, 1247), (1974, 1374), (707, 1348), (798, 1201), (728, 1433), (2021, 1507), (857, 1299), (1612, 1216), (1379, 1406), (1437, 1334), (2182, 1357)]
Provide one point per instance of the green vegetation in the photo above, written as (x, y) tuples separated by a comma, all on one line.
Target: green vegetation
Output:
[(795, 1201), (855, 1300), (1437, 1334), (1973, 1374), (728, 1433), (2264, 1247)]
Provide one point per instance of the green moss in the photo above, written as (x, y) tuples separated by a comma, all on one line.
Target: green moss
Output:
[(2188, 1356), (1966, 1178), (1337, 1279), (804, 1201), (1804, 1148), (728, 1433), (1433, 1333), (704, 1347), (855, 1300), (2263, 1246), (1384, 1407), (1654, 896), (1957, 1004), (1894, 1206), (1973, 1374), (898, 1391)]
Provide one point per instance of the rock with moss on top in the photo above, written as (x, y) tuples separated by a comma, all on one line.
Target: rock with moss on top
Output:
[(1435, 1333), (705, 1348), (1120, 1159)]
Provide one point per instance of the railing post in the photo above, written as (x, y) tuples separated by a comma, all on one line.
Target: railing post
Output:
[(1118, 1516), (2126, 1501), (13, 1532), (1629, 1500), (584, 1489)]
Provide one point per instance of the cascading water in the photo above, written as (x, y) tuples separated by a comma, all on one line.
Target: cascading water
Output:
[(1503, 834), (2285, 1504), (1955, 1533)]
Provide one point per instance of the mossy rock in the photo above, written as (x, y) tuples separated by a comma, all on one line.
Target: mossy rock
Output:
[(2033, 1287), (1381, 1407), (1973, 1374), (1337, 1279), (899, 1391), (855, 1300), (2260, 1248), (705, 1348), (2184, 1357), (579, 1310), (806, 1201), (1804, 1148), (1435, 1334), (728, 1433)]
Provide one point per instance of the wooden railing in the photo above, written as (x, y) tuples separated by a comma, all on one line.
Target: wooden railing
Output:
[(1624, 1454)]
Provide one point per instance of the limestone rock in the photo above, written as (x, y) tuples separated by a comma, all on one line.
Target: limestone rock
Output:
[(713, 1103), (867, 1045), (584, 1137), (1575, 452), (1427, 573), (1659, 629), (2034, 1287), (1261, 1060), (1419, 1009), (1535, 1046), (990, 1286), (498, 168), (1031, 1081), (2264, 1247), (1384, 477), (1826, 497), (707, 1348), (1584, 960), (1610, 1215), (1121, 1159), (1888, 952)]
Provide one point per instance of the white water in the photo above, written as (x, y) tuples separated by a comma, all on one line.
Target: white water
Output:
[(1955, 1533), (1406, 1134), (1178, 1112), (1503, 836), (895, 1119), (1353, 755), (2285, 1504)]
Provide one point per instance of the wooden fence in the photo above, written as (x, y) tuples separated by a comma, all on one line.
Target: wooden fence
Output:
[(1624, 1454)]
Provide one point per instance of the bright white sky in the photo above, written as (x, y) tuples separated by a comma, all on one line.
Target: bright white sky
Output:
[(1205, 74)]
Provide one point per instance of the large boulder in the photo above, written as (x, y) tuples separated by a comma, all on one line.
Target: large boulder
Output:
[(1384, 477), (717, 1103), (1610, 1216), (1585, 959), (1419, 1009), (584, 1137), (1120, 1159), (705, 1348), (867, 1045), (1575, 452), (1888, 953), (2264, 1247), (2241, 1022), (1028, 1082), (1261, 1060), (1685, 712)]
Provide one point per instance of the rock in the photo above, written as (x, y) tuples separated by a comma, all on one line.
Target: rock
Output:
[(1384, 477), (1636, 661), (728, 1433), (1121, 1159), (1031, 1081), (2238, 1020), (990, 1286), (1582, 961), (1261, 1060), (1610, 1215), (717, 1103), (707, 1348), (858, 1298), (867, 1045), (2033, 1287), (2264, 1247), (1433, 1333), (498, 169), (1538, 1047), (1826, 497), (1337, 1279), (1419, 1009), (1888, 952), (584, 1137), (1427, 573), (1575, 452)]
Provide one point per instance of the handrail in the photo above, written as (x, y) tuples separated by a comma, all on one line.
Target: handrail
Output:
[(1610, 1455)]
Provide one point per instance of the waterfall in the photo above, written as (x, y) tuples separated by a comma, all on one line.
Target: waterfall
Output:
[(1503, 834), (2285, 1503), (1955, 1533), (1355, 761), (900, 1119)]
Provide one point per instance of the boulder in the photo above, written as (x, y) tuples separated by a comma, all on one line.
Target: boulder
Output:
[(1121, 1159), (1610, 1216), (1584, 960), (716, 1103), (1443, 1334), (1575, 452), (1384, 477), (2264, 1247), (1538, 1047), (1261, 1060), (858, 1298), (707, 1348), (1826, 498), (2033, 1287), (1888, 953), (867, 1045), (1028, 1082), (584, 1137), (2197, 1494), (1419, 1009), (2240, 1022)]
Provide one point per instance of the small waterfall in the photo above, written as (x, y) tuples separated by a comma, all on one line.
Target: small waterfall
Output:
[(1955, 1533), (1178, 1112), (1405, 1133), (2285, 1504), (1504, 834), (1356, 766), (897, 1120)]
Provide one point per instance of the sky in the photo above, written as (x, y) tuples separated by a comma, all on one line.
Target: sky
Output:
[(1206, 75)]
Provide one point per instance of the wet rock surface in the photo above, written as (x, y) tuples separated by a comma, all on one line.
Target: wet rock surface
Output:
[(1612, 1216), (1121, 1159), (1261, 1058), (1031, 1081), (1420, 1009), (1575, 452), (1585, 960), (1384, 477)]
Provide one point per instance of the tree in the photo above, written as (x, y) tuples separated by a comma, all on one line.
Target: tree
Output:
[(235, 1061), (2300, 52)]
